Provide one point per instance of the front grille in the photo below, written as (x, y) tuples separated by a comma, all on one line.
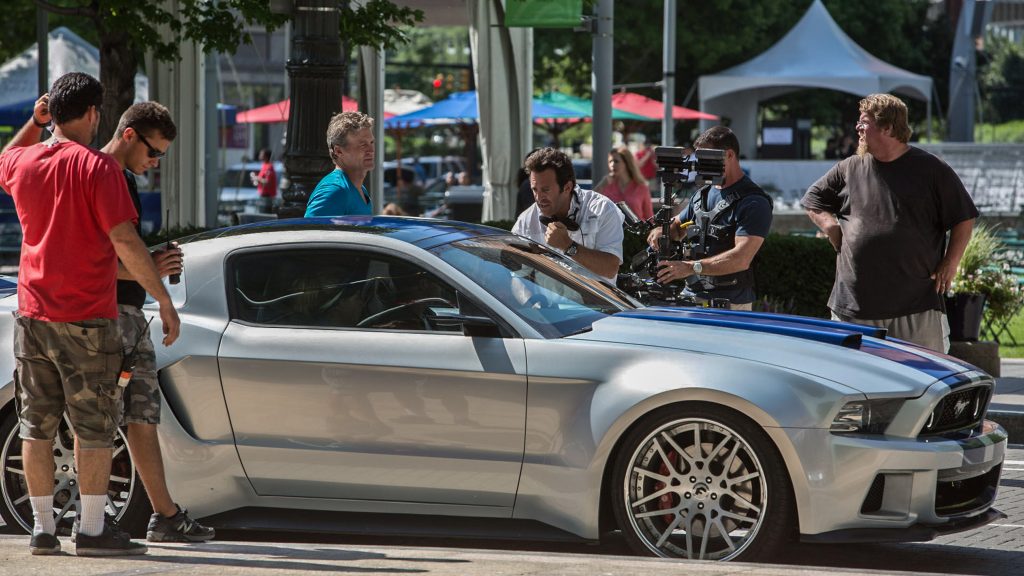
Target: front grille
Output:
[(963, 496), (959, 410)]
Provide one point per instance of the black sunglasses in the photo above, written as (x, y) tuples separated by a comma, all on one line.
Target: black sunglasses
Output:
[(152, 152)]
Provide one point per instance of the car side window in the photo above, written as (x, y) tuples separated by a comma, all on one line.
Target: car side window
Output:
[(337, 289)]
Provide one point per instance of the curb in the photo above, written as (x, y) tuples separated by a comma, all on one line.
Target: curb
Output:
[(1013, 422)]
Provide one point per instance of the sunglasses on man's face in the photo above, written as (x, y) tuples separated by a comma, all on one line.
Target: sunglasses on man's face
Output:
[(152, 152)]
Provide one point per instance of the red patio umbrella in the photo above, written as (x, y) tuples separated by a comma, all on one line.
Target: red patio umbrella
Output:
[(653, 109), (278, 111)]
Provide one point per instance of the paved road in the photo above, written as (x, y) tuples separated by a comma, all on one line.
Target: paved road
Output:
[(995, 550)]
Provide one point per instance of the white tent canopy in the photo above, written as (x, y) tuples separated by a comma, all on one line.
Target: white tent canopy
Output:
[(68, 52), (815, 53)]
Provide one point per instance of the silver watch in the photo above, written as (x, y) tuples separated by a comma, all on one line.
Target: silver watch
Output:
[(572, 249), (697, 267)]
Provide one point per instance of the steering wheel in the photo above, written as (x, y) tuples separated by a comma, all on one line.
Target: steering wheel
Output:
[(396, 311), (538, 301)]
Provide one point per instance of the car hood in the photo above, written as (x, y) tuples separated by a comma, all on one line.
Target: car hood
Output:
[(850, 354)]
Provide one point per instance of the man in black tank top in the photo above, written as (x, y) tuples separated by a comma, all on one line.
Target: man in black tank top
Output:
[(143, 136)]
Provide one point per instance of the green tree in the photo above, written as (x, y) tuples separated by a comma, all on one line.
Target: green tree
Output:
[(128, 28), (1002, 80)]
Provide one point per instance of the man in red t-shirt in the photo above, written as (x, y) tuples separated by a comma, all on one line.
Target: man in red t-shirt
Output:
[(77, 220), (266, 182)]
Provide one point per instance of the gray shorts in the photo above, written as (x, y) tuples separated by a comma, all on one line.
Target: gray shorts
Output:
[(929, 329), (72, 366), (142, 398)]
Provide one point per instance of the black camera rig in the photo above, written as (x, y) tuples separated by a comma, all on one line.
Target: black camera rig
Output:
[(706, 167)]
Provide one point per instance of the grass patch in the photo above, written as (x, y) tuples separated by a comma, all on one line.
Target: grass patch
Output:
[(1006, 350)]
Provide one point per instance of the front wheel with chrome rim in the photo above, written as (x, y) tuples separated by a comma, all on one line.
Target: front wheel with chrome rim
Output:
[(702, 482), (126, 499)]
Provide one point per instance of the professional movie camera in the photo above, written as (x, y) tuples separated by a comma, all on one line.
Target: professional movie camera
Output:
[(706, 167)]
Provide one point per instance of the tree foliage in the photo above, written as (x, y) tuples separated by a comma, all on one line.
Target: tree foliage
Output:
[(126, 29), (1002, 80)]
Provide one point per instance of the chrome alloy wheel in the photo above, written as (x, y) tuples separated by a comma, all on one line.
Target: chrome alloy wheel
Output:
[(122, 486), (695, 489)]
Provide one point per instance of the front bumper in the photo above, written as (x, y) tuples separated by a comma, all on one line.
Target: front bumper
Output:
[(877, 488)]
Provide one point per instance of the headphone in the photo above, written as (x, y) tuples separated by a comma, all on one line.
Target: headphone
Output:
[(569, 221)]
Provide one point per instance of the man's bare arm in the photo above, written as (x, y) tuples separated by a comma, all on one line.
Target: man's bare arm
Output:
[(600, 263), (137, 260), (959, 236), (828, 224), (30, 132)]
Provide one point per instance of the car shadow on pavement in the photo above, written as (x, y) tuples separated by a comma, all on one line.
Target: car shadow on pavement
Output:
[(914, 557)]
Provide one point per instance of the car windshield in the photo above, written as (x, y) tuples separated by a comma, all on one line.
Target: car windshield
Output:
[(552, 293)]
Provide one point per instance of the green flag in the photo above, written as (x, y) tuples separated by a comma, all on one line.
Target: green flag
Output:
[(543, 13)]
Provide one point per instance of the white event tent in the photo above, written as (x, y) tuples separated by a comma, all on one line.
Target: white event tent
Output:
[(68, 52), (815, 53)]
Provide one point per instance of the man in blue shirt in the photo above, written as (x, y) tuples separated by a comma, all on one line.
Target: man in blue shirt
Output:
[(350, 144)]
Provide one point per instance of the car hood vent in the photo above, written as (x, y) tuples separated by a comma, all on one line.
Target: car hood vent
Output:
[(839, 333)]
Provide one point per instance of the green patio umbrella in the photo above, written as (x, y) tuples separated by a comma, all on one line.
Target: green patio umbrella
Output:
[(582, 106)]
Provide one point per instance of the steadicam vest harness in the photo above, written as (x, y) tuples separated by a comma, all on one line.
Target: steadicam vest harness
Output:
[(716, 237)]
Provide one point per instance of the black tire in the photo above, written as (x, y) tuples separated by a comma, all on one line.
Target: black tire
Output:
[(732, 500), (126, 497)]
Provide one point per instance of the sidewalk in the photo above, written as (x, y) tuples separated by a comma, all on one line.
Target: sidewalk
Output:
[(1007, 407)]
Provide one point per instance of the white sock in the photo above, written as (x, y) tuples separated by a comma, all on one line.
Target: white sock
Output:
[(42, 513), (92, 514)]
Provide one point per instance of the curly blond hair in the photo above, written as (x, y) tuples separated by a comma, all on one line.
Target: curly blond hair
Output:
[(889, 112)]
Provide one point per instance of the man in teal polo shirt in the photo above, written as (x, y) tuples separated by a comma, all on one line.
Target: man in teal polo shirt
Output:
[(350, 144)]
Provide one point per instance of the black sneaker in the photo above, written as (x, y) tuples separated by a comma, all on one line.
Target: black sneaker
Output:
[(107, 519), (112, 542), (44, 544), (177, 528)]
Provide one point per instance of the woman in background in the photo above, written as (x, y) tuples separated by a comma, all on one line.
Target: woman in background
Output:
[(624, 183)]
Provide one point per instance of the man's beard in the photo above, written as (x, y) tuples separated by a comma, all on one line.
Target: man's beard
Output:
[(862, 148)]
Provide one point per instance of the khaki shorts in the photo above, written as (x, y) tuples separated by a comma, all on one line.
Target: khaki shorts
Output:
[(72, 366), (142, 398), (928, 329)]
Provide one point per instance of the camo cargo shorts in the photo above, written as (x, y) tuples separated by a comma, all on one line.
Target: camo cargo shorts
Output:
[(68, 365), (142, 398)]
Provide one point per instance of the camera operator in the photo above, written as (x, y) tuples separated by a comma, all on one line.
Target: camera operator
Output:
[(583, 224), (733, 220)]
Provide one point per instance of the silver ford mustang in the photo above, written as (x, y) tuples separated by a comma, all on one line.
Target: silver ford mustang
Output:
[(412, 376)]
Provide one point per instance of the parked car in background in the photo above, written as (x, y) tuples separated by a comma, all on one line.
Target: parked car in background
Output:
[(584, 173), (239, 195), (415, 376)]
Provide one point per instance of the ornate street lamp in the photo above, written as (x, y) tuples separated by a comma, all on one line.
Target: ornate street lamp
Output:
[(316, 72)]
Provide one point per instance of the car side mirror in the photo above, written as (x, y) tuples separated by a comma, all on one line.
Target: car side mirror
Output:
[(471, 325)]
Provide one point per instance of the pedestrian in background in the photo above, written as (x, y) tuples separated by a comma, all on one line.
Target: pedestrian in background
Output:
[(624, 183), (265, 181)]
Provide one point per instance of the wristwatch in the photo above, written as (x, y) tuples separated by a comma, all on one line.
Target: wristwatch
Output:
[(697, 267), (572, 249)]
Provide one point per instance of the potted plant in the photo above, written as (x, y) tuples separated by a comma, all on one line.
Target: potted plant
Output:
[(983, 277)]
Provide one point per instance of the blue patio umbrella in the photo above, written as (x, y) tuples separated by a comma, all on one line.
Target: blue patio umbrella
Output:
[(16, 113), (462, 107)]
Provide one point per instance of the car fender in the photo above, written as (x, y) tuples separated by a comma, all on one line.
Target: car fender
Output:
[(562, 480)]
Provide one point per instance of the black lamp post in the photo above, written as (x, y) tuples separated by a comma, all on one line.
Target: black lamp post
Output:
[(316, 72)]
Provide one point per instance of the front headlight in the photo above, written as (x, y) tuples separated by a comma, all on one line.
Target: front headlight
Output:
[(866, 416)]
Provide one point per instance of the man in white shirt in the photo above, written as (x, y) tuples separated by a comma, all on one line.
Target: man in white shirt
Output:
[(582, 224)]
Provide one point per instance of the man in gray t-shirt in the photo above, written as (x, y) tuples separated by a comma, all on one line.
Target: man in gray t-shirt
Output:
[(886, 211)]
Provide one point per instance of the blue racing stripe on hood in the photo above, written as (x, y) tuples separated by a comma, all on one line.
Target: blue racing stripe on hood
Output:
[(934, 364), (769, 323)]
